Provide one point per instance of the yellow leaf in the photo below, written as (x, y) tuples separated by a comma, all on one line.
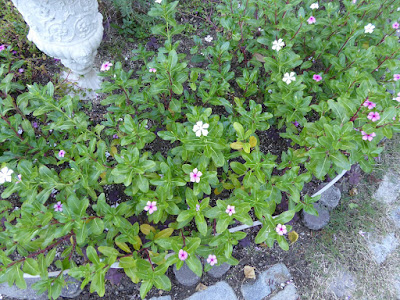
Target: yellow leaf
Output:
[(103, 175), (216, 191), (113, 151), (123, 246), (146, 228), (228, 185), (138, 242), (246, 147), (253, 141), (164, 233), (293, 236), (237, 145)]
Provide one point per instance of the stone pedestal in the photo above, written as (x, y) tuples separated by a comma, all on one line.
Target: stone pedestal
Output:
[(70, 30)]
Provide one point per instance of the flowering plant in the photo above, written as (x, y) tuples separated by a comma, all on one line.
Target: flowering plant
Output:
[(318, 73)]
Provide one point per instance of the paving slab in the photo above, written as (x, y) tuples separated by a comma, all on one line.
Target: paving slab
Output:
[(343, 285), (17, 293), (395, 215), (288, 293), (381, 247), (185, 276), (219, 291), (389, 189), (330, 198), (219, 271), (266, 283), (161, 298), (316, 222)]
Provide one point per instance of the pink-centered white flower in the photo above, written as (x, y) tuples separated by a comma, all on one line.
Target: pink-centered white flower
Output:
[(151, 207), (278, 45), (288, 78), (195, 175), (395, 25), (58, 206), (106, 66), (281, 229), (230, 210), (19, 176), (369, 104), (153, 70), (366, 136), (374, 116), (314, 5), (397, 98), (311, 20), (183, 255), (158, 1), (317, 77), (396, 77), (61, 153), (369, 28), (200, 128), (208, 38), (212, 259), (5, 175)]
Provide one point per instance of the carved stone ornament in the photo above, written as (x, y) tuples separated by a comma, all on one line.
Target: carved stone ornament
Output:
[(70, 30)]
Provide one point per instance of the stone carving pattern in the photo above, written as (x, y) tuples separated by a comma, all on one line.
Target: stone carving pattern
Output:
[(70, 30)]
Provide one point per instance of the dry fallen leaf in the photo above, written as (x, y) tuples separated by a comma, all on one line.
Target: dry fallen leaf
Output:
[(353, 192), (201, 287), (249, 272), (259, 57), (293, 236)]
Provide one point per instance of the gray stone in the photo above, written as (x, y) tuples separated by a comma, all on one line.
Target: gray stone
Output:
[(28, 293), (72, 289), (342, 285), (381, 248), (330, 198), (161, 298), (186, 276), (288, 293), (395, 215), (397, 287), (218, 271), (219, 291), (389, 189), (316, 223), (266, 283)]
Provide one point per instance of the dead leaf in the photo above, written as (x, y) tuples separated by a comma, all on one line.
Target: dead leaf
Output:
[(353, 192), (259, 57), (201, 287), (249, 272)]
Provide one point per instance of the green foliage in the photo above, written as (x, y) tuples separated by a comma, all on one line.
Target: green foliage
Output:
[(210, 122)]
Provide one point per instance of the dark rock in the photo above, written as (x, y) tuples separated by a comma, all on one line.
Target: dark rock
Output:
[(316, 223), (186, 276)]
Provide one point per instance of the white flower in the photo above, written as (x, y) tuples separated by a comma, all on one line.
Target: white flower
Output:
[(277, 45), (5, 175), (314, 5), (200, 128), (158, 1), (288, 78), (208, 38), (369, 28), (20, 131)]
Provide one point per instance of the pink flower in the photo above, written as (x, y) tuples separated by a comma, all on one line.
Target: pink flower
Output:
[(212, 259), (152, 70), (369, 104), (106, 66), (195, 175), (281, 229), (151, 207), (61, 153), (367, 136), (230, 210), (396, 25), (19, 176), (311, 20), (2, 47), (115, 136), (58, 206), (374, 116), (21, 70), (317, 77), (397, 98), (183, 255), (396, 77)]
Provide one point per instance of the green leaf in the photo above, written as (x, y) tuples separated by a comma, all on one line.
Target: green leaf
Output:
[(31, 266), (162, 282), (238, 168), (145, 287), (195, 265), (108, 251), (340, 160), (96, 226), (92, 255)]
